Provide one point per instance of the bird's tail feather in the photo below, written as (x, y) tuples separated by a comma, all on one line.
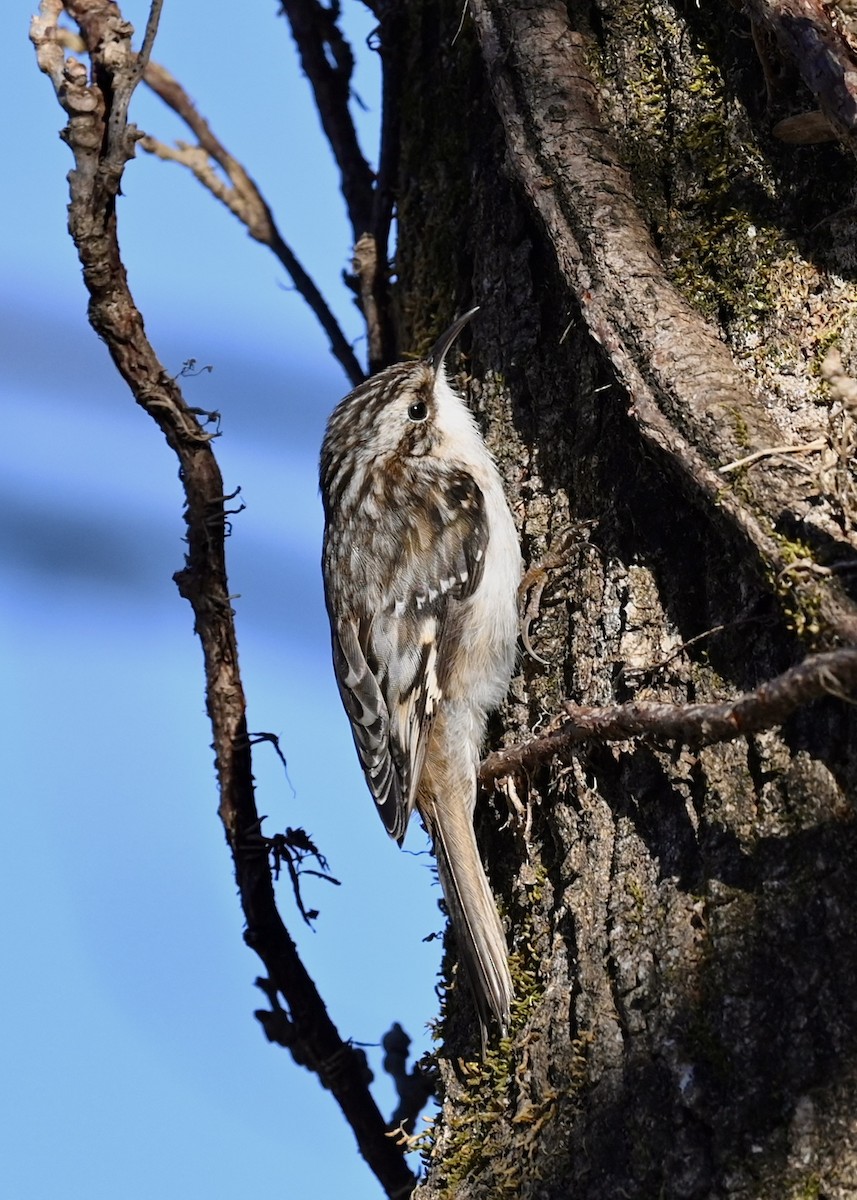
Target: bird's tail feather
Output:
[(473, 913)]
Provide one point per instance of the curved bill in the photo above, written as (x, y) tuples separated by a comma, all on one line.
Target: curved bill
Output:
[(439, 350)]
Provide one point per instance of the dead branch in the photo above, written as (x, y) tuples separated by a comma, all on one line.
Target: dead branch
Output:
[(682, 382), (242, 197), (833, 673), (390, 33), (102, 142), (238, 191), (328, 64)]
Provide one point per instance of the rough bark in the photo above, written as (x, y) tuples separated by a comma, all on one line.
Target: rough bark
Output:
[(660, 279)]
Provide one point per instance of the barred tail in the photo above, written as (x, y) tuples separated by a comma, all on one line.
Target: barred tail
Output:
[(472, 910)]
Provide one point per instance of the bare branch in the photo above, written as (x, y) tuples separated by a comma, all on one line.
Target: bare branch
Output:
[(149, 36), (237, 191), (242, 197), (390, 34), (328, 64), (833, 673), (101, 145)]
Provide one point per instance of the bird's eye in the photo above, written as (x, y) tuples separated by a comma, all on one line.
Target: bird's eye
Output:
[(418, 411)]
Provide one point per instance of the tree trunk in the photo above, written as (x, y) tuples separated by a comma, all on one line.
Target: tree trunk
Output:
[(660, 279)]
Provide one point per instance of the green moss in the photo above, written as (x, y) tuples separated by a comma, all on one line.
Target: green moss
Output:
[(697, 170), (638, 894), (800, 596), (793, 550), (476, 1129), (717, 250), (809, 1189), (739, 426), (473, 1137)]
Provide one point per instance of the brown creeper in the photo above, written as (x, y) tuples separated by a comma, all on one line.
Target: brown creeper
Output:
[(421, 569)]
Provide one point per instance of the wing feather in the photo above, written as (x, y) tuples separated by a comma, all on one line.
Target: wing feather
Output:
[(395, 640)]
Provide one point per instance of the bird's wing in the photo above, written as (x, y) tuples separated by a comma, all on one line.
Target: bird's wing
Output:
[(392, 663)]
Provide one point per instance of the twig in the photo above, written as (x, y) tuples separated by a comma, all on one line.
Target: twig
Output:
[(149, 36), (319, 40), (238, 192), (101, 146), (328, 63), (808, 448), (243, 198), (389, 39), (833, 673)]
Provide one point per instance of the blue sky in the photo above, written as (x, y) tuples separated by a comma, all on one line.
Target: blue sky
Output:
[(131, 1064)]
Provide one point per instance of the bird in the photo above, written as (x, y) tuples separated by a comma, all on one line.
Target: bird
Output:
[(421, 564)]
